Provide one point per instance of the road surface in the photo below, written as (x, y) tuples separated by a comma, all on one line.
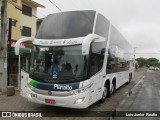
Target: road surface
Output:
[(144, 99)]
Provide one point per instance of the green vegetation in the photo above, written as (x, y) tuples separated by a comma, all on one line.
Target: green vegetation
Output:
[(140, 69), (148, 62)]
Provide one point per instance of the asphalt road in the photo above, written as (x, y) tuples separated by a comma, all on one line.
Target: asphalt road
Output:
[(144, 99), (148, 83)]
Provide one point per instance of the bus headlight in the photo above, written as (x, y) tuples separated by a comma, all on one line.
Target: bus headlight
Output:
[(28, 94), (79, 100)]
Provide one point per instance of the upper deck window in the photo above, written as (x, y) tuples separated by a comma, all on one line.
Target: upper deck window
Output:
[(67, 25)]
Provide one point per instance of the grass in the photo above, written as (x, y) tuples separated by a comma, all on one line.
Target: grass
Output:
[(140, 69)]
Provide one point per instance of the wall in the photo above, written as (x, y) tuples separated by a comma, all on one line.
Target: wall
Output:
[(14, 12), (30, 21)]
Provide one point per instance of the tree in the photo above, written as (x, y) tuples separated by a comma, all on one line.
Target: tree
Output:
[(141, 61), (152, 62), (148, 62)]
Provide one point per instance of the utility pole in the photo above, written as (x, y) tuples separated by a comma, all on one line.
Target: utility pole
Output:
[(3, 48), (135, 53), (135, 56)]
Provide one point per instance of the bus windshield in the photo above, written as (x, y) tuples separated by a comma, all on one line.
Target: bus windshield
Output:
[(66, 25), (58, 63)]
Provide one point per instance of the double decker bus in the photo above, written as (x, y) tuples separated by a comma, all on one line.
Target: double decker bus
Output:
[(77, 58)]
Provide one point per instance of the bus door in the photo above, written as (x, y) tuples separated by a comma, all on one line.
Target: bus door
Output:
[(96, 64), (93, 89), (96, 79), (24, 75)]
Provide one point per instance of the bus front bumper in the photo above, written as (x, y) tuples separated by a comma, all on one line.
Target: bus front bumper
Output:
[(74, 101)]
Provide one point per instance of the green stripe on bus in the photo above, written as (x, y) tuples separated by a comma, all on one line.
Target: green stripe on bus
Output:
[(33, 83)]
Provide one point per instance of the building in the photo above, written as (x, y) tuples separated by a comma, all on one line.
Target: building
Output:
[(24, 21), (23, 14), (14, 8), (29, 19), (39, 21)]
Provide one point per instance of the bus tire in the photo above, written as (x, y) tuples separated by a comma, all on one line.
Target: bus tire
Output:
[(104, 95), (130, 78), (111, 91)]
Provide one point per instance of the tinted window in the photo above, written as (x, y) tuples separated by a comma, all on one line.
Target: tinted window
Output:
[(59, 63), (97, 57), (112, 60), (102, 26), (25, 62), (121, 61), (118, 60), (98, 48), (120, 52), (66, 25)]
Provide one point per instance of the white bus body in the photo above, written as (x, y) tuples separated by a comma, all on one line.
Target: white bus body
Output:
[(77, 58)]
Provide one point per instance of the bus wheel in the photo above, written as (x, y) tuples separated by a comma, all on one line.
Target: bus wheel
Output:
[(130, 78), (104, 94), (110, 91)]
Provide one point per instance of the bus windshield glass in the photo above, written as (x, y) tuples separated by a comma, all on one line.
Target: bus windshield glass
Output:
[(66, 25), (58, 63)]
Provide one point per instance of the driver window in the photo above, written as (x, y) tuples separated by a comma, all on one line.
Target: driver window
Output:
[(25, 62), (97, 57)]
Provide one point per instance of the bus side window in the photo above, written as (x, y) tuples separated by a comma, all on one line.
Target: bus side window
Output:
[(25, 62), (111, 62), (97, 57), (94, 64)]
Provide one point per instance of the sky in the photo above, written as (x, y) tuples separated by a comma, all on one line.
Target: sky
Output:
[(137, 20)]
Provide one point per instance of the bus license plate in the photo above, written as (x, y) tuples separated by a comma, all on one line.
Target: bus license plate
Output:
[(50, 101)]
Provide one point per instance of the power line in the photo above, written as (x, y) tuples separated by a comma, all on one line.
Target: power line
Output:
[(55, 5), (41, 14)]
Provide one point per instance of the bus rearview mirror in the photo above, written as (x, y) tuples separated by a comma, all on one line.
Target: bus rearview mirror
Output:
[(18, 44), (87, 42)]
